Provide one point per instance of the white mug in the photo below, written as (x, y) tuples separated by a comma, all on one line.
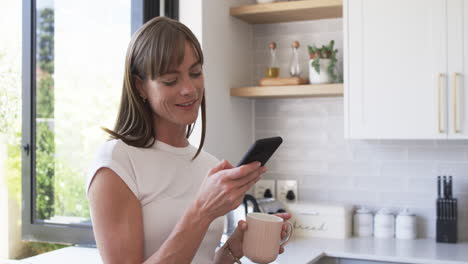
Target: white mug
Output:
[(262, 239)]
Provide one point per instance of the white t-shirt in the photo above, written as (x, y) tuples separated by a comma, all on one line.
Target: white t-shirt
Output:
[(165, 180)]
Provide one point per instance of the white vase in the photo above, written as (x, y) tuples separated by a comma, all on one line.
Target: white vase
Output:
[(323, 76)]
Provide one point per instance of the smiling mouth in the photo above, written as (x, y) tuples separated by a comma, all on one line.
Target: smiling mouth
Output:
[(187, 104)]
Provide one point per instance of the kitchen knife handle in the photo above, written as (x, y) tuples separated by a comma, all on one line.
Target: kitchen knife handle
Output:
[(450, 187), (438, 187)]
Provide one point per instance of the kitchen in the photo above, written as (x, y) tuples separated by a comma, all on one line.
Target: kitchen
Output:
[(335, 150)]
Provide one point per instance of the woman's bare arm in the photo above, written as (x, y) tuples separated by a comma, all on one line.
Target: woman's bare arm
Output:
[(118, 225)]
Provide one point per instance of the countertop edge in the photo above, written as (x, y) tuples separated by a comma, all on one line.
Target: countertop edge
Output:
[(402, 260)]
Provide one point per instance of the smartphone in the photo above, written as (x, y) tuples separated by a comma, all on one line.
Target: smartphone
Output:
[(261, 150)]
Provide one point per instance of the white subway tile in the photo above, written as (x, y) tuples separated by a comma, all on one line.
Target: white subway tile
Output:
[(436, 154), (296, 166), (387, 184), (423, 185), (455, 169), (452, 143), (313, 194), (350, 168), (354, 197), (384, 154), (328, 182), (408, 169), (406, 199)]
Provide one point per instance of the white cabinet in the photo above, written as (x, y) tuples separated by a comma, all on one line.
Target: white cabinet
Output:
[(402, 58)]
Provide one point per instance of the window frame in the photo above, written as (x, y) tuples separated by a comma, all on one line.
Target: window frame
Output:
[(38, 230)]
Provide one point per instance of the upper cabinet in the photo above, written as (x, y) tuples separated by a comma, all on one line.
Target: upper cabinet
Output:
[(405, 64)]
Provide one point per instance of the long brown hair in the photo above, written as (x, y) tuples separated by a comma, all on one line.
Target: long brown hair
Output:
[(155, 48)]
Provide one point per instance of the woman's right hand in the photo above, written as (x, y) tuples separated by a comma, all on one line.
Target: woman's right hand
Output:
[(224, 187)]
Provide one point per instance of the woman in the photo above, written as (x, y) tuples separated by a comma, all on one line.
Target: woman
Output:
[(154, 198)]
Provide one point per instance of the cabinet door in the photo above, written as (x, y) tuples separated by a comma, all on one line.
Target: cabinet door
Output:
[(457, 33), (396, 50)]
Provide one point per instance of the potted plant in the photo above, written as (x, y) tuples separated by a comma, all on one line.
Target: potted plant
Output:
[(322, 63)]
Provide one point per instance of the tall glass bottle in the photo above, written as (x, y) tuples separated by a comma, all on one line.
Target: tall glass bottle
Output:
[(295, 66), (273, 68)]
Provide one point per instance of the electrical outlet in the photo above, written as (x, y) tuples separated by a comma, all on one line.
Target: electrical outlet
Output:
[(282, 189), (261, 187)]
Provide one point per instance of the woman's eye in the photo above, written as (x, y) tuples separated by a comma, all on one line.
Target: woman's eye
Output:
[(195, 74), (170, 82)]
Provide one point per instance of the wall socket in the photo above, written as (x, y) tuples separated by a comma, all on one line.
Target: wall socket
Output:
[(262, 185), (282, 188)]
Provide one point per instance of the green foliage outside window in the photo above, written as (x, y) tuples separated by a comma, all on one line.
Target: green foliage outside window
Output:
[(59, 188)]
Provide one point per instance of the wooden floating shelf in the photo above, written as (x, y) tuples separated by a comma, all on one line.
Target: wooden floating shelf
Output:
[(308, 90), (288, 11)]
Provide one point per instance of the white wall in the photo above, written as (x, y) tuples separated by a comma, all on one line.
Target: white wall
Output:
[(226, 44), (375, 173)]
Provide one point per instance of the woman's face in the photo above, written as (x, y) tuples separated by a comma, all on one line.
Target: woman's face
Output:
[(175, 97)]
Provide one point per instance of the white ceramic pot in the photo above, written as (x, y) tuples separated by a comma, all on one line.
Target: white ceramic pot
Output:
[(323, 76), (384, 224), (405, 225), (265, 1)]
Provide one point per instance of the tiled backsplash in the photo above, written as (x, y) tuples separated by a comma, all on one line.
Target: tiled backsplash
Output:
[(375, 173)]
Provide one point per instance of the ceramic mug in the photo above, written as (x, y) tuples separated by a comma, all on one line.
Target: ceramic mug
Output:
[(262, 239)]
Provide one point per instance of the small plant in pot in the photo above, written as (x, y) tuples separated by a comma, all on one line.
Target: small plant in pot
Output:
[(322, 63)]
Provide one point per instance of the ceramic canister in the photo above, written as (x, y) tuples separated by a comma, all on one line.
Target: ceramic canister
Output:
[(384, 223), (406, 225), (363, 222)]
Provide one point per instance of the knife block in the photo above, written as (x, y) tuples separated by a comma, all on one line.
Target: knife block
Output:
[(446, 224)]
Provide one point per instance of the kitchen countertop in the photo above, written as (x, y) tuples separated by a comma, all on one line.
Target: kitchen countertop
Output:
[(309, 250), (420, 251)]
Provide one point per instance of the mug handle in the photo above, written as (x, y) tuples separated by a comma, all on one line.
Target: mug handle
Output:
[(290, 233)]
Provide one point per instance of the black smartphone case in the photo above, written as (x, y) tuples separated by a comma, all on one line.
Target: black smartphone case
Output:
[(261, 150)]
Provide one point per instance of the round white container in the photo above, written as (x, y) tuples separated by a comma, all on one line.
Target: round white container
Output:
[(363, 222), (265, 1), (406, 225), (384, 224)]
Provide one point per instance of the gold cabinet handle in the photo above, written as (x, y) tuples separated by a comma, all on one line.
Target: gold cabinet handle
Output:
[(438, 101), (455, 75)]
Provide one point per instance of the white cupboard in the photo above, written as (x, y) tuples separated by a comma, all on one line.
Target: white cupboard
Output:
[(405, 64)]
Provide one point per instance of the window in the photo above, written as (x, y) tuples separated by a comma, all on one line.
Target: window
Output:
[(73, 61)]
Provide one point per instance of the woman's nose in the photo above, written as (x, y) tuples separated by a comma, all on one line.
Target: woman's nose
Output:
[(188, 87)]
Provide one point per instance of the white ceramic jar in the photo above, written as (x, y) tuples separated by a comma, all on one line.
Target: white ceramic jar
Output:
[(323, 76), (406, 225), (363, 222), (384, 224)]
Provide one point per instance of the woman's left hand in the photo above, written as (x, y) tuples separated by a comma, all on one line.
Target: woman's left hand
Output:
[(235, 240)]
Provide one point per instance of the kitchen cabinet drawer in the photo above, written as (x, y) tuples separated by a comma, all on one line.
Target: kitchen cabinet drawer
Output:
[(405, 64)]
